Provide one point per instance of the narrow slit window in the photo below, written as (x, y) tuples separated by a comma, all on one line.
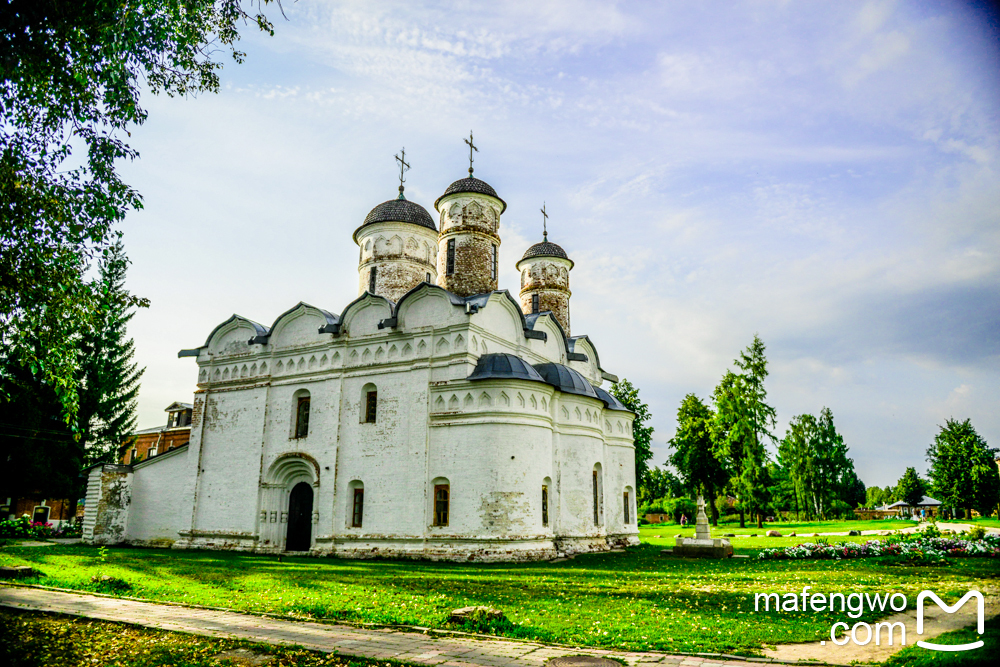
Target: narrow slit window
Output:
[(496, 257), (450, 266), (371, 406), (597, 517), (545, 505), (442, 498), (372, 274), (302, 417), (427, 278), (534, 303), (359, 508), (627, 507)]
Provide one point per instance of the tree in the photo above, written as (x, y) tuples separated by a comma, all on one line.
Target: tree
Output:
[(742, 425), (963, 471), (642, 435), (660, 483), (109, 390), (70, 78), (694, 456), (910, 488)]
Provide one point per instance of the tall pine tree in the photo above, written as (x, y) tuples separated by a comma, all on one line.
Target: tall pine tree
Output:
[(109, 384)]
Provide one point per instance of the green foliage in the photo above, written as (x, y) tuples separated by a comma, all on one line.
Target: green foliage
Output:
[(695, 456), (72, 74), (23, 527), (910, 488), (815, 472), (660, 483), (917, 656), (676, 507), (742, 425), (963, 472), (642, 435), (106, 417)]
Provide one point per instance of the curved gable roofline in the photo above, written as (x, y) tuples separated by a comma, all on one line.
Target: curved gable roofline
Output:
[(610, 377), (453, 298), (358, 302), (532, 319), (477, 301), (331, 320), (259, 329)]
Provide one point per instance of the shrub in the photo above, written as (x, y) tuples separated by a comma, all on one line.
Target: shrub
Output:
[(675, 507), (917, 547), (24, 527)]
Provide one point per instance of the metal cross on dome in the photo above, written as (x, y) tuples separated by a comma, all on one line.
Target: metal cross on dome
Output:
[(403, 167), (545, 220), (472, 147)]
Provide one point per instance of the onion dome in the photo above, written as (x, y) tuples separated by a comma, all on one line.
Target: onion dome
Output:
[(400, 210), (565, 379), (504, 366), (545, 249), (609, 400), (473, 186)]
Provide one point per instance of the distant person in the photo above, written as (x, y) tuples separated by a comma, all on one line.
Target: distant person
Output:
[(684, 520)]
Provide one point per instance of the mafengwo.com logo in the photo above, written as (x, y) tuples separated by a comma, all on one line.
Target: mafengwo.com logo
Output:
[(854, 605)]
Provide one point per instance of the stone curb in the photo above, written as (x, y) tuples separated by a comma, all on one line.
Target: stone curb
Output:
[(415, 629)]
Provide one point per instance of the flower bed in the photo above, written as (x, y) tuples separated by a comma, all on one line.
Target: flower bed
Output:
[(25, 528), (919, 547)]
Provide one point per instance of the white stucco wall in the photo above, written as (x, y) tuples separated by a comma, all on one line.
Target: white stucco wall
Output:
[(161, 495)]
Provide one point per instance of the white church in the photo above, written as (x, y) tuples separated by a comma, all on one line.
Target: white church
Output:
[(433, 417)]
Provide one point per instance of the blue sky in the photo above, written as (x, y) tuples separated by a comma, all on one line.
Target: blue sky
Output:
[(823, 174)]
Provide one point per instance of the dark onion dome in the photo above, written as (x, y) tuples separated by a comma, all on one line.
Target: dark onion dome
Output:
[(503, 366), (565, 379), (399, 210), (545, 249), (474, 186), (610, 401)]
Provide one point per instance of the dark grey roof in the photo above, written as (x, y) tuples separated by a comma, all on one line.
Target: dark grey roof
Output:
[(501, 365), (473, 185), (565, 379), (609, 400), (545, 249), (400, 210)]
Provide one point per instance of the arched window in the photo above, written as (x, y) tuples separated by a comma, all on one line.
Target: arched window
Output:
[(450, 265), (545, 501), (300, 414), (357, 500), (628, 507), (598, 500), (369, 403), (442, 501), (372, 273)]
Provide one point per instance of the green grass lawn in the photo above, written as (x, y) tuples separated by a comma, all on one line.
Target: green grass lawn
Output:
[(48, 640), (665, 535), (915, 656), (632, 600)]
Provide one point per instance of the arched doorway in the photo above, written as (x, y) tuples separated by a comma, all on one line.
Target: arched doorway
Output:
[(300, 507)]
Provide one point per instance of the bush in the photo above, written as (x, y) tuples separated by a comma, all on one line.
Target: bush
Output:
[(675, 507), (23, 527)]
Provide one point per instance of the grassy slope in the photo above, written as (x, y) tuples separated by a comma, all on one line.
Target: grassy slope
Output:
[(634, 600), (44, 640)]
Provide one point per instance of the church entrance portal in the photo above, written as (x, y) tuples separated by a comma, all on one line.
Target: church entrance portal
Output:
[(300, 506)]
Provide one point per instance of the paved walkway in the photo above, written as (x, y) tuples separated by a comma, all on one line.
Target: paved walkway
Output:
[(414, 647)]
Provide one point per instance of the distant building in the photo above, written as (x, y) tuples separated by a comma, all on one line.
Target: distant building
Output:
[(152, 441), (929, 506)]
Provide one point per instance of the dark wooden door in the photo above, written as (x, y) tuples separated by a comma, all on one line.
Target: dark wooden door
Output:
[(300, 507)]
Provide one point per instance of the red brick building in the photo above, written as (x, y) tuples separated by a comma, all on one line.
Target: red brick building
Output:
[(152, 441)]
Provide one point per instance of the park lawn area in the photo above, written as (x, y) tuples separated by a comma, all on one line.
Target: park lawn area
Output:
[(664, 535), (50, 640), (800, 527), (915, 656), (633, 600)]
